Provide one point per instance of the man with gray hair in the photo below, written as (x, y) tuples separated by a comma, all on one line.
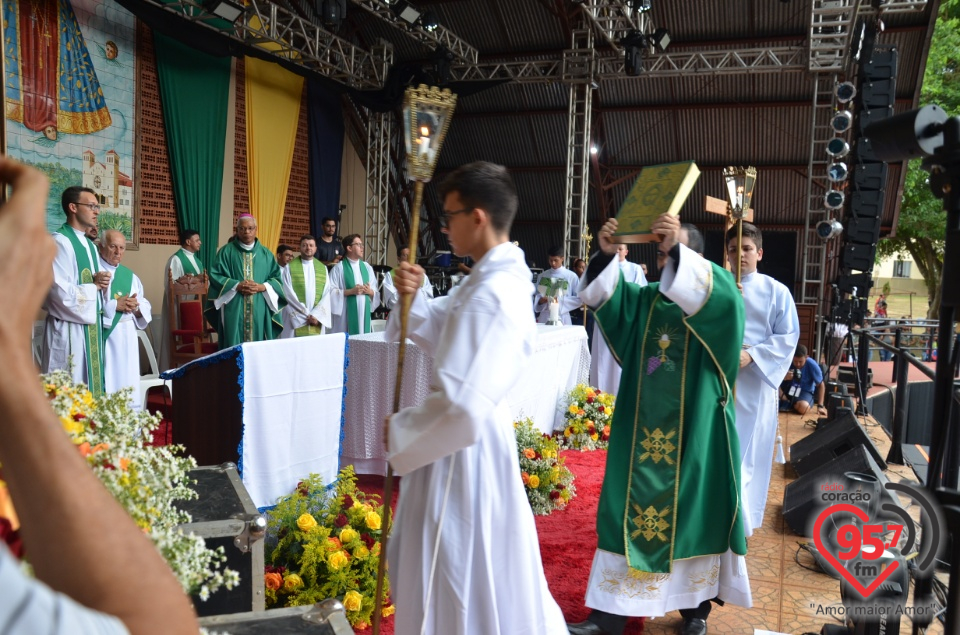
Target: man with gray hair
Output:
[(125, 310), (246, 294)]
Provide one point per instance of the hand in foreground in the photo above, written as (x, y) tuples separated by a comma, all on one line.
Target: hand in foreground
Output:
[(604, 236), (745, 359), (27, 266), (128, 304), (668, 227), (408, 278)]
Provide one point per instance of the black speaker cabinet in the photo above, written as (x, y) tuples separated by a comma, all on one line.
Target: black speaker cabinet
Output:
[(830, 441), (804, 496)]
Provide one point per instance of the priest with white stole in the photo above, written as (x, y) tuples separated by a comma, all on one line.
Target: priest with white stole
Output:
[(567, 301), (770, 338), (125, 310), (184, 262), (72, 333), (604, 367), (353, 288), (308, 293), (463, 554), (391, 298)]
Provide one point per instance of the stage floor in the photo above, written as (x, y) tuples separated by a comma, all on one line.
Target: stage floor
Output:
[(785, 595)]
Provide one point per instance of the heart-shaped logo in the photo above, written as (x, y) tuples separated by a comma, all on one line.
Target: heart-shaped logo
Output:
[(864, 591)]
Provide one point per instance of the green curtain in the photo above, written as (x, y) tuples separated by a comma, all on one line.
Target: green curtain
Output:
[(194, 90)]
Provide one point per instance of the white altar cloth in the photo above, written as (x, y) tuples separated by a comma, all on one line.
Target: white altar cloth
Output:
[(561, 361)]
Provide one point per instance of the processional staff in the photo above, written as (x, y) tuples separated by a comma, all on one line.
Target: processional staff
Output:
[(740, 185), (426, 118)]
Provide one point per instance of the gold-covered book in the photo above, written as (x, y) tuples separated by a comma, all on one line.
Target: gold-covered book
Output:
[(658, 190)]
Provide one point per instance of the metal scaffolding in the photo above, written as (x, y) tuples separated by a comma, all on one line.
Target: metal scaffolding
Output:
[(578, 72), (614, 20), (376, 228), (440, 36)]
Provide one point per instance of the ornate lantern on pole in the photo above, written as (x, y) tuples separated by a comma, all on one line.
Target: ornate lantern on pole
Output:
[(740, 185), (426, 117)]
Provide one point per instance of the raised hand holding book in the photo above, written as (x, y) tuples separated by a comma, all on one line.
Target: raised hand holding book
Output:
[(660, 189)]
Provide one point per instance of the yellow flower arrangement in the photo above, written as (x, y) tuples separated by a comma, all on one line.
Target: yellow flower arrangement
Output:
[(588, 417), (548, 484), (327, 538)]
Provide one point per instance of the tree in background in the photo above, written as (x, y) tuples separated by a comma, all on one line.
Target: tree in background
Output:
[(920, 230)]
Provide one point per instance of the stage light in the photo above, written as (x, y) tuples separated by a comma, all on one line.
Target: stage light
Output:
[(429, 20), (837, 172), (827, 229), (225, 9), (838, 148), (593, 149), (333, 13), (633, 44), (405, 12), (834, 199), (842, 121), (641, 5), (661, 39), (845, 91)]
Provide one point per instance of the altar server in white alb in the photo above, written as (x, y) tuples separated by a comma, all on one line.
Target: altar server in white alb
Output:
[(72, 328), (604, 368), (391, 298), (355, 294), (308, 293), (457, 452), (770, 338), (568, 298), (125, 310)]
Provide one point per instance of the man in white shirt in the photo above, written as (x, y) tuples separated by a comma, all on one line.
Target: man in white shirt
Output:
[(125, 310), (770, 336), (353, 287), (72, 332), (391, 299), (567, 301), (308, 293)]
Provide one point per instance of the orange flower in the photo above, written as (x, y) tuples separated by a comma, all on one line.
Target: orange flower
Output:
[(124, 464), (524, 477), (530, 454), (335, 544), (272, 580)]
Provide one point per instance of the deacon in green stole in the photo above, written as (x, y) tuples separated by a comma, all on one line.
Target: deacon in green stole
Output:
[(669, 521), (246, 295), (73, 336), (307, 292), (354, 292)]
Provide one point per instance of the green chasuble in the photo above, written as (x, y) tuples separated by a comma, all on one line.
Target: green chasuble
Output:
[(245, 318), (671, 490), (188, 267)]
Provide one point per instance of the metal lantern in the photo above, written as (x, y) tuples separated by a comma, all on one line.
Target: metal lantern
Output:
[(426, 116)]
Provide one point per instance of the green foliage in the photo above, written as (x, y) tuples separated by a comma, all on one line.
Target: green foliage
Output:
[(60, 179), (115, 220), (922, 221)]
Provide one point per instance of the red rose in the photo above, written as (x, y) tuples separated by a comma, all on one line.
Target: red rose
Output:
[(589, 399), (11, 538), (79, 417), (342, 521), (606, 434), (367, 540), (561, 486), (555, 494), (347, 501)]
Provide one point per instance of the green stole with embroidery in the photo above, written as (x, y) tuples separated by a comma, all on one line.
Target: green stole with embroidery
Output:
[(187, 265), (120, 285), (353, 314), (92, 333), (671, 490), (300, 288)]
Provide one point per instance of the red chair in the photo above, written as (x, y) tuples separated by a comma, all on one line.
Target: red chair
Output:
[(190, 335)]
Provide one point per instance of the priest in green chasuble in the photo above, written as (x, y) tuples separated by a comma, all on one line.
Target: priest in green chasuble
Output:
[(307, 292), (669, 520), (246, 294), (354, 292)]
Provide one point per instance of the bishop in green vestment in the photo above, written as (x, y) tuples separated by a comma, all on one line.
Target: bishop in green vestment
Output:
[(669, 521), (246, 294)]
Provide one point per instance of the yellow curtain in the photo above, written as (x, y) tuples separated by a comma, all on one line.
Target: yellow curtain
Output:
[(273, 112)]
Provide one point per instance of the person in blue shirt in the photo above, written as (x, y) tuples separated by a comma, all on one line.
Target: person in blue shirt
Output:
[(804, 379)]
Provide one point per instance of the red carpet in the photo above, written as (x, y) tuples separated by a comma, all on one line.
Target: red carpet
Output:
[(567, 538)]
